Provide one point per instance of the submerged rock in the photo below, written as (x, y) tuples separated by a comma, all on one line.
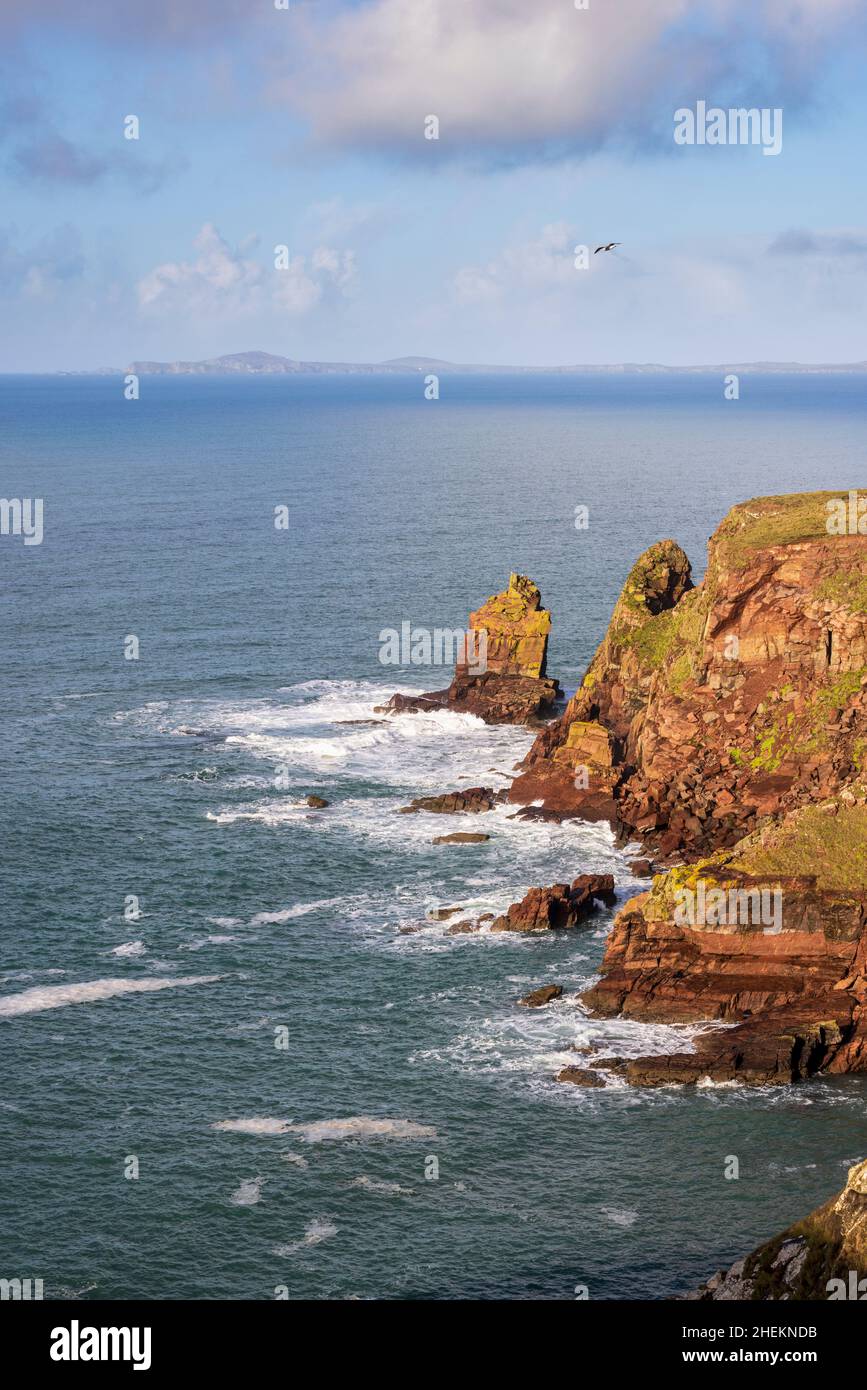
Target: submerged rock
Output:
[(460, 837)]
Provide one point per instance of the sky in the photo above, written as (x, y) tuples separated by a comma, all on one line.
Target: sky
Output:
[(302, 125)]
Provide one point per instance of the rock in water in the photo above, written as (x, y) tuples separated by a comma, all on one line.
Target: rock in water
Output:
[(543, 909), (317, 801), (543, 995), (460, 837), (580, 1076), (471, 800), (510, 685)]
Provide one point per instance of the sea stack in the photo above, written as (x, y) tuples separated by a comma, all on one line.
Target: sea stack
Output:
[(512, 646)]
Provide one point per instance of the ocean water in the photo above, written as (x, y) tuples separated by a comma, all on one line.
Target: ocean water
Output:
[(312, 1101)]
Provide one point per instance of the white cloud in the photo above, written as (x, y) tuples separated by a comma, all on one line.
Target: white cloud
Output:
[(537, 267), (226, 281), (512, 78), (730, 297)]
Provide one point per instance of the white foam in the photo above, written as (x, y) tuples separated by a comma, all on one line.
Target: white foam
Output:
[(314, 1233), (620, 1216), (201, 942), (311, 731), (385, 1189), (31, 1001), (248, 1193), (264, 1125), (361, 1127), (129, 948), (529, 1046), (288, 914), (297, 1160), (319, 1131)]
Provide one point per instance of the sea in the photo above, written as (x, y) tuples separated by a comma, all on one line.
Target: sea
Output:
[(226, 1071)]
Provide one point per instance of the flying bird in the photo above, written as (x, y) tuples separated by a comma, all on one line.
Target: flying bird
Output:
[(610, 247)]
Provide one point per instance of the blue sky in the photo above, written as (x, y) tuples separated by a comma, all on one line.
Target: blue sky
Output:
[(304, 127)]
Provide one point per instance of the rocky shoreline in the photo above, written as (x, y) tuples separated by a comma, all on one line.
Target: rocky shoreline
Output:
[(722, 726), (821, 1257)]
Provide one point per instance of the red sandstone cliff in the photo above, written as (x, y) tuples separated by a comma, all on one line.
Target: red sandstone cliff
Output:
[(725, 725), (706, 709)]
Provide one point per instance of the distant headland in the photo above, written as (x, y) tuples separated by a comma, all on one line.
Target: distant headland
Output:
[(270, 364)]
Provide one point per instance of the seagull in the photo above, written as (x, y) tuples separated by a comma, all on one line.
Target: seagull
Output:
[(610, 247)]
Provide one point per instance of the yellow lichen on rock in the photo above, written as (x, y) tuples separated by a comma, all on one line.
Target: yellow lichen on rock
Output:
[(517, 628)]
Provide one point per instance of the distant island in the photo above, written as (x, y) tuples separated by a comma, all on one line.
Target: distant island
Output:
[(269, 364)]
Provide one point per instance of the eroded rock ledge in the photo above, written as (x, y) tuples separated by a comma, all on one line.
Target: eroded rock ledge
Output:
[(793, 981)]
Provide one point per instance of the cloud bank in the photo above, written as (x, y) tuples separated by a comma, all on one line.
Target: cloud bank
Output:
[(511, 80), (226, 281)]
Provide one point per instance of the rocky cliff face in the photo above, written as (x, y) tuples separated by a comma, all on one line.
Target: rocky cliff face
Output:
[(706, 709), (725, 725), (821, 1257), (750, 937), (511, 646)]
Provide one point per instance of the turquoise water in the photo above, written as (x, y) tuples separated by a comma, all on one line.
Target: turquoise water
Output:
[(180, 778)]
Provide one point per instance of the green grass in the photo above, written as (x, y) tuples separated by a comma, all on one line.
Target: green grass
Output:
[(772, 521), (814, 841), (847, 587)]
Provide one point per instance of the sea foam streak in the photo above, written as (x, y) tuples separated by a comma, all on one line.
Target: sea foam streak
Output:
[(32, 1001), (386, 1189), (318, 1131), (314, 1233)]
